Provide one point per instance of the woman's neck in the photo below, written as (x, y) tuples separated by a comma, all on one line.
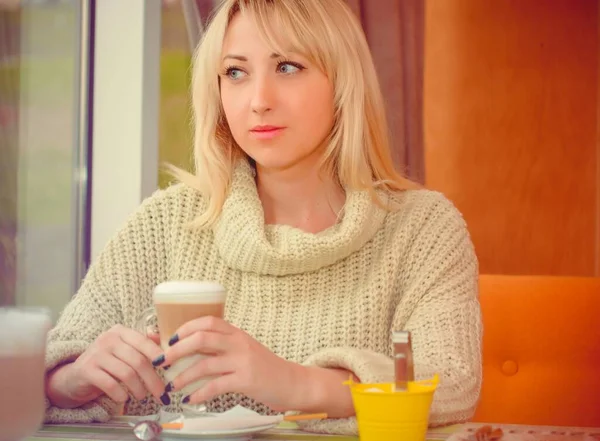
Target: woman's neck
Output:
[(304, 199)]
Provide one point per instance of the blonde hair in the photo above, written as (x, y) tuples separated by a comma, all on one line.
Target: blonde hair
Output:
[(330, 36)]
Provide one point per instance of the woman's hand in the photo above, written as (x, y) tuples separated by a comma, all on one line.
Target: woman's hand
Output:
[(239, 362), (118, 361)]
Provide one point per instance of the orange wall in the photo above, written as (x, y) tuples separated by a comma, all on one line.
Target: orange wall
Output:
[(511, 128)]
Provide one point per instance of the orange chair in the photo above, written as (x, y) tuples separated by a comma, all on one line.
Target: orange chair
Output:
[(541, 350)]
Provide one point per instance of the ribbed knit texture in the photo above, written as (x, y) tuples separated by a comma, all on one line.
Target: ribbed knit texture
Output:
[(329, 299)]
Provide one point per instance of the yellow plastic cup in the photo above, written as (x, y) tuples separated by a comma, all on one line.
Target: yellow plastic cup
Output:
[(385, 415)]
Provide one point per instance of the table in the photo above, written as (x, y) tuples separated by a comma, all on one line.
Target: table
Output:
[(122, 432), (119, 431)]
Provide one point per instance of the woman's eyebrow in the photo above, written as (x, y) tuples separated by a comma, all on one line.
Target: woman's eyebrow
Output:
[(242, 58), (235, 57)]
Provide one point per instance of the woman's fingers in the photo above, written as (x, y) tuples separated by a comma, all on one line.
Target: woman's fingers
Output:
[(144, 370), (155, 337), (207, 367), (107, 384), (201, 342), (207, 323), (215, 387), (141, 343), (125, 374)]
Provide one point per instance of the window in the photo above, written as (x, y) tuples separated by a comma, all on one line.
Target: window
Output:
[(43, 159)]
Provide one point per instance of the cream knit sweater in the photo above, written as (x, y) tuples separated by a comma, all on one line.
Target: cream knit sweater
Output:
[(329, 299)]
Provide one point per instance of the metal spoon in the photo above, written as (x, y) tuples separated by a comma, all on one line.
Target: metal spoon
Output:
[(147, 430), (150, 429)]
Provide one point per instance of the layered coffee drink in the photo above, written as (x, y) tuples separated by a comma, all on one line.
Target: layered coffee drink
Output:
[(22, 351), (177, 303)]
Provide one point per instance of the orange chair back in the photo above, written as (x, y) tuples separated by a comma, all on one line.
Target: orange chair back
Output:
[(541, 350)]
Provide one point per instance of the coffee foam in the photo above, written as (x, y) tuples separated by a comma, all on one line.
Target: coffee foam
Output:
[(189, 292), (23, 331)]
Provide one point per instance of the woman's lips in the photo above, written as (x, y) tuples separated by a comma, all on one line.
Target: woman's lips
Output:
[(266, 132)]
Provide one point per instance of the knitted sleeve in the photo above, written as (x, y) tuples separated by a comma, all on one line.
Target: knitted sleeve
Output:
[(127, 269), (440, 307)]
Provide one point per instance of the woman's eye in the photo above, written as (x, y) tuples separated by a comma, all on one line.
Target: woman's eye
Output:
[(289, 68), (234, 73)]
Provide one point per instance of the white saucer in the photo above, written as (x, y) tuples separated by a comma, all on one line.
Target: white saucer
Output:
[(220, 435), (247, 421)]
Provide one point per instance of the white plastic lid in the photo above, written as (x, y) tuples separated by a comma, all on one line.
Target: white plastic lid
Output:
[(190, 292), (23, 330)]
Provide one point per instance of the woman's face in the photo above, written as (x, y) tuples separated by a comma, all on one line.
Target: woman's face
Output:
[(279, 110)]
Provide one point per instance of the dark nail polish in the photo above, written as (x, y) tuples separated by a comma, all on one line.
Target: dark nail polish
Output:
[(158, 360), (166, 400), (169, 387), (173, 340), (186, 399), (166, 368)]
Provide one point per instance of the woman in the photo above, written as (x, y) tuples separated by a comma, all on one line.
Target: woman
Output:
[(296, 209)]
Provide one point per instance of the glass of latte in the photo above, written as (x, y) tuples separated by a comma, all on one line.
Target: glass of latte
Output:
[(23, 334), (176, 303)]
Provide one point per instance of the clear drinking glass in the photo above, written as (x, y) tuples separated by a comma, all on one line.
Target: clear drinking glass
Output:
[(176, 303), (23, 334)]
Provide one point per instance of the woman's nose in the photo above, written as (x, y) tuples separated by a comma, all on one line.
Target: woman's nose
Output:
[(262, 96)]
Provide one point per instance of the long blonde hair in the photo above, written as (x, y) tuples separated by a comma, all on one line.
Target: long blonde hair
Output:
[(330, 36)]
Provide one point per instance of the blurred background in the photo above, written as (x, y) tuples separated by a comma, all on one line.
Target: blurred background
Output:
[(493, 102)]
